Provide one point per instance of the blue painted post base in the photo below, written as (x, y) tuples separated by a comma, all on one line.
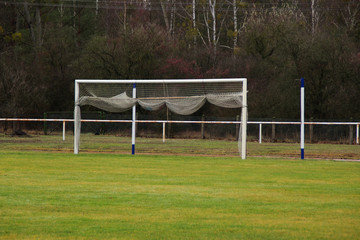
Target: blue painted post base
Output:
[(302, 153), (133, 149)]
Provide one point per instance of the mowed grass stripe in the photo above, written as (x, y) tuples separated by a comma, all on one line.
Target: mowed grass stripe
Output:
[(46, 195)]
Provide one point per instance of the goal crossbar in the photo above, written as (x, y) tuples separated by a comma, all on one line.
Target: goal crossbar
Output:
[(212, 80)]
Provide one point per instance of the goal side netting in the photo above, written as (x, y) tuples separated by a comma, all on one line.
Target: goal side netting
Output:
[(182, 97)]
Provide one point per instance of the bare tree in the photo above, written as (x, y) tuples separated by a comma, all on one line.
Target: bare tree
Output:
[(351, 14), (235, 9), (34, 24), (212, 27), (168, 8), (314, 16)]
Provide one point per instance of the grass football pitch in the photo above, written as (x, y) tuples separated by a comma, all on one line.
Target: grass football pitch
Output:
[(46, 192)]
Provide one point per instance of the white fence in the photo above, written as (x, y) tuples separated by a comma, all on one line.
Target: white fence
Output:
[(164, 122)]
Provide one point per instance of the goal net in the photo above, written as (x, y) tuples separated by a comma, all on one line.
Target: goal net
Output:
[(182, 97)]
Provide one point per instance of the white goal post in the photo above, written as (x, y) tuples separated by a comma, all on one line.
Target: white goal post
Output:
[(181, 96)]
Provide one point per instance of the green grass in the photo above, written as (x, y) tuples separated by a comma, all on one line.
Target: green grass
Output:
[(194, 190), (50, 195)]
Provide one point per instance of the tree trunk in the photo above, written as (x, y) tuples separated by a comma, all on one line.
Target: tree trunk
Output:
[(38, 27), (74, 23), (97, 7), (235, 27), (194, 19), (29, 22), (172, 18), (212, 7), (34, 25), (314, 16), (166, 20)]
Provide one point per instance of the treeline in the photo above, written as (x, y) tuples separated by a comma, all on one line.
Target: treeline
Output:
[(46, 44)]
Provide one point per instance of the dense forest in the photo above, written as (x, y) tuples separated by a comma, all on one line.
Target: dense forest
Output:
[(46, 44)]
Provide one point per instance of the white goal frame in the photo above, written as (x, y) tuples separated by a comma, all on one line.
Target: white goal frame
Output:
[(77, 121)]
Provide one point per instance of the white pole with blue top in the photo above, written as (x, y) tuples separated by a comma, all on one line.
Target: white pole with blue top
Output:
[(302, 107), (133, 133)]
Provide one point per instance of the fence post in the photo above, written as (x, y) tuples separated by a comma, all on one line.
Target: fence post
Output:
[(5, 126), (102, 125), (351, 133), (169, 131), (64, 130), (311, 130), (273, 130), (237, 127), (357, 133), (203, 127), (164, 130), (260, 133), (45, 124), (137, 125)]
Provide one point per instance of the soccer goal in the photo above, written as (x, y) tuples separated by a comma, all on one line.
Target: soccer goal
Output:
[(181, 96)]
